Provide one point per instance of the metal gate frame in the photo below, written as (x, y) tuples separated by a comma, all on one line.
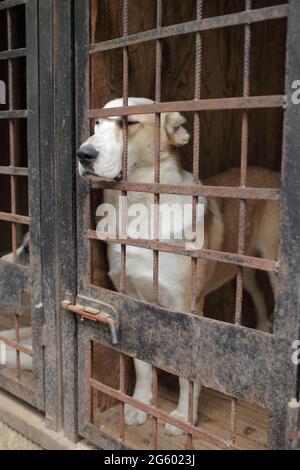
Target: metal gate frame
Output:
[(50, 116), (16, 278), (274, 351)]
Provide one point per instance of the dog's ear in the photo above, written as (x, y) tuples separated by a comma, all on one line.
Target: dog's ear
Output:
[(176, 133)]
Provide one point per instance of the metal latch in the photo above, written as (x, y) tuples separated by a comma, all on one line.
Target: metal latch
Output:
[(93, 315)]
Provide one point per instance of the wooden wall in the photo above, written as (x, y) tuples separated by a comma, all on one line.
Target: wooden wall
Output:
[(222, 74)]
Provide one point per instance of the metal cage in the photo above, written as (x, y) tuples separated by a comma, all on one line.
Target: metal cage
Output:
[(256, 373), (70, 315)]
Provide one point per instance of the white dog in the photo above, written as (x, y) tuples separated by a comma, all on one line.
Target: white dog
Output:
[(101, 155)]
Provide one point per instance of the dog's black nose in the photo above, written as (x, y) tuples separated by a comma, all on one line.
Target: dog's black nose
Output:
[(87, 153)]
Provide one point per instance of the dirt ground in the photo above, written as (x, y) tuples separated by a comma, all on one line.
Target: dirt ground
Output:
[(11, 440)]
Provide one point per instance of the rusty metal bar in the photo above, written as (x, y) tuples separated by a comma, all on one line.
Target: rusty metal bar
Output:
[(269, 194), (11, 4), (244, 168), (196, 151), (212, 104), (11, 170), (122, 390), (124, 204), (15, 345), (162, 416), (14, 218), (233, 420), (158, 69), (210, 255), (218, 22), (155, 404), (13, 54), (125, 148), (243, 207)]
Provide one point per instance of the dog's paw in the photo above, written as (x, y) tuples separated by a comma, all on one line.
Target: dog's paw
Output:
[(171, 430), (134, 417)]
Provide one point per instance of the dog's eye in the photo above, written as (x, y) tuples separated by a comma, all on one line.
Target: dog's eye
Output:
[(130, 123), (97, 123)]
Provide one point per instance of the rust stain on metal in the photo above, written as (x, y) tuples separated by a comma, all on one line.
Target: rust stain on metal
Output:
[(214, 104)]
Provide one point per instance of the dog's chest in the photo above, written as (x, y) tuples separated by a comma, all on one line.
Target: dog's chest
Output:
[(173, 270), (173, 274)]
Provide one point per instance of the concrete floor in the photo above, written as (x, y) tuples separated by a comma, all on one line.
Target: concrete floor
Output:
[(11, 440)]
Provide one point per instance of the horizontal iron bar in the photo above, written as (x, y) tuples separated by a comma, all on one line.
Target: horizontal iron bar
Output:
[(214, 104), (210, 255), (218, 22), (13, 54), (13, 170), (13, 114), (11, 3), (18, 347), (192, 190), (18, 219), (161, 415)]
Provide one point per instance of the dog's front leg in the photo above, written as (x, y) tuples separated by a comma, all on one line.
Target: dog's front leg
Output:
[(181, 411), (142, 392)]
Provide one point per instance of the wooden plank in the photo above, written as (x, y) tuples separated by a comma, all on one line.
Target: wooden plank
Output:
[(29, 422)]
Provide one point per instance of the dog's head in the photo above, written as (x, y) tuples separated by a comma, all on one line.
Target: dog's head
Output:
[(101, 154)]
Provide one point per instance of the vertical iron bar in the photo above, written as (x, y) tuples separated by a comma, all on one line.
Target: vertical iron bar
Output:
[(125, 148), (196, 175), (243, 207), (158, 66), (122, 389), (155, 404), (196, 150), (124, 201)]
